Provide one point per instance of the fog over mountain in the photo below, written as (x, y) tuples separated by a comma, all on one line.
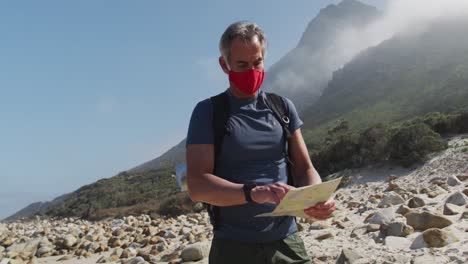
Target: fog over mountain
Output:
[(342, 31)]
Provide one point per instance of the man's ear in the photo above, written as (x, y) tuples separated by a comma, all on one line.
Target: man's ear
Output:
[(223, 64)]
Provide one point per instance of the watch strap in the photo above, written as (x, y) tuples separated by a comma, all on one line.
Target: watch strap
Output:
[(248, 190)]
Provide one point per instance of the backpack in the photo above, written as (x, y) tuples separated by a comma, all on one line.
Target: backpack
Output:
[(221, 113)]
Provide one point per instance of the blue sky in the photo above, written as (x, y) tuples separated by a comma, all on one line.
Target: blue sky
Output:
[(92, 88)]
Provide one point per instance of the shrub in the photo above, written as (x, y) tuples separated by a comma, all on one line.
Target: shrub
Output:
[(373, 144), (177, 204), (411, 142), (336, 154)]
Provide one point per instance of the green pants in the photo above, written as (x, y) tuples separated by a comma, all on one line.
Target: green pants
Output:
[(288, 250)]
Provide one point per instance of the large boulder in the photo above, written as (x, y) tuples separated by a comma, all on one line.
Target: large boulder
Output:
[(416, 202), (435, 237), (384, 216), (426, 220), (195, 252), (397, 229), (453, 181), (391, 198), (457, 198)]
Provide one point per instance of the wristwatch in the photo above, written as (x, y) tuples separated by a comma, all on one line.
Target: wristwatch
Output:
[(247, 191)]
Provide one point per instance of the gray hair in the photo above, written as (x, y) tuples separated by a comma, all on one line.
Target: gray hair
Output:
[(247, 32)]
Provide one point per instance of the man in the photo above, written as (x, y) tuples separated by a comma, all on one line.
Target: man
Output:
[(252, 152)]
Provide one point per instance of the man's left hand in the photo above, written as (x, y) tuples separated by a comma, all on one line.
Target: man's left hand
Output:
[(321, 211)]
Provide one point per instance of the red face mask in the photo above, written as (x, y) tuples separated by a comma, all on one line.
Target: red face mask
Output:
[(247, 81)]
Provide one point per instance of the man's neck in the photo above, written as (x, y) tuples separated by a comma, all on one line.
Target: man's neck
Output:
[(240, 95)]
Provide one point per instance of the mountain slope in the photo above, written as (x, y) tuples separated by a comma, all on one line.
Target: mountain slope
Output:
[(124, 190), (302, 74), (173, 156), (36, 208), (407, 75)]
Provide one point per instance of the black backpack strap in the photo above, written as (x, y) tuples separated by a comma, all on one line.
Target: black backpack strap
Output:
[(221, 111), (278, 106), (221, 114)]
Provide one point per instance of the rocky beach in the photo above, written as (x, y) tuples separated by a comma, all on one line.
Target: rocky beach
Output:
[(384, 215)]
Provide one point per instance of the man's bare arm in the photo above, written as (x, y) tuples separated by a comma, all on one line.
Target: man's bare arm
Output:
[(303, 170), (305, 174), (204, 186)]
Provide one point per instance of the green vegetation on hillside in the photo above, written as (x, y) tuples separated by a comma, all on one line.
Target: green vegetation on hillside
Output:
[(404, 143), (122, 194)]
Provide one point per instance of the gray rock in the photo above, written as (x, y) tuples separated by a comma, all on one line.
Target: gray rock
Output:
[(398, 229), (33, 244), (16, 247), (44, 251), (117, 252), (2, 249), (384, 216), (92, 247), (160, 247), (67, 242), (198, 207), (403, 209), (129, 252), (116, 223), (391, 198), (399, 243), (457, 198), (6, 261), (137, 260), (426, 220), (438, 238), (372, 228), (195, 252), (185, 230), (348, 256), (416, 202), (3, 229), (464, 215), (418, 242), (170, 234), (451, 209), (453, 181)]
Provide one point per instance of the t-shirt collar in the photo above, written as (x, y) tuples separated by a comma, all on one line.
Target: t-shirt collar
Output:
[(236, 100)]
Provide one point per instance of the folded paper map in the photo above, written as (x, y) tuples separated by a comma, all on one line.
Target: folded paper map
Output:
[(296, 200)]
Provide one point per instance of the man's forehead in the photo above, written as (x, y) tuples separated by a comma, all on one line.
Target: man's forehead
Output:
[(244, 48)]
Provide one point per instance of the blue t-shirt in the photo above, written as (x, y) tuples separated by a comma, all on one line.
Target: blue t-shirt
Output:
[(252, 151)]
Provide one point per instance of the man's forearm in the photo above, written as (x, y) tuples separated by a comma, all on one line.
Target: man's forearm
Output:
[(211, 189), (309, 177)]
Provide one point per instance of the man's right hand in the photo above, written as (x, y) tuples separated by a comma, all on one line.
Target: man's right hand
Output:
[(271, 193)]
